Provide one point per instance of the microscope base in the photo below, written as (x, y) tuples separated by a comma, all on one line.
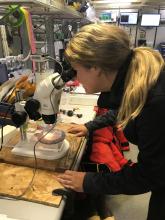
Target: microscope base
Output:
[(42, 151)]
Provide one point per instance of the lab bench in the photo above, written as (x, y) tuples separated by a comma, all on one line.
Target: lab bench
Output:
[(31, 210)]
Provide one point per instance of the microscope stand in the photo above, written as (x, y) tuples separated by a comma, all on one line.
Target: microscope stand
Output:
[(42, 151)]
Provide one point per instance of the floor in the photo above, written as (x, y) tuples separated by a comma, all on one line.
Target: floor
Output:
[(123, 207), (130, 207)]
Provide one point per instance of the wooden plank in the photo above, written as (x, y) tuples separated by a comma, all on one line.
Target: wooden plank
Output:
[(15, 181), (59, 165), (17, 172)]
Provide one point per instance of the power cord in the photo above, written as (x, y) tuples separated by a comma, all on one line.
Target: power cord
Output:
[(35, 166), (35, 156), (34, 171), (62, 69)]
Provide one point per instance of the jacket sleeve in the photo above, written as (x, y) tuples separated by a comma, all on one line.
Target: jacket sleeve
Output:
[(107, 119), (148, 173)]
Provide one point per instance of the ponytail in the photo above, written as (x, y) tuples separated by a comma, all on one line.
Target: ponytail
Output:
[(142, 75)]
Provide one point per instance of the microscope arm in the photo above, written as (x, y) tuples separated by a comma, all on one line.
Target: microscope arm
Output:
[(46, 99)]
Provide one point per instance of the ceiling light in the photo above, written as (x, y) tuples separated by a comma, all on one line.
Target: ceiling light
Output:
[(114, 5), (113, 1), (121, 3), (110, 6)]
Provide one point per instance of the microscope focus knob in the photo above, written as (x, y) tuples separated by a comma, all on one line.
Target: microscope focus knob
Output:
[(19, 118), (32, 107)]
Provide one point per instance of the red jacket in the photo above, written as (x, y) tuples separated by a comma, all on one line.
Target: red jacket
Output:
[(107, 146)]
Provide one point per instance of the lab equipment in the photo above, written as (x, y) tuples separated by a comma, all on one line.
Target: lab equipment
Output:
[(44, 104)]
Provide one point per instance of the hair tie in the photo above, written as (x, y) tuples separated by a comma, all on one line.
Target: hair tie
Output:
[(129, 57), (125, 65), (132, 52), (121, 74)]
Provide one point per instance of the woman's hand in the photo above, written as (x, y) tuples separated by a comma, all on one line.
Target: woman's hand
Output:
[(79, 130), (72, 180)]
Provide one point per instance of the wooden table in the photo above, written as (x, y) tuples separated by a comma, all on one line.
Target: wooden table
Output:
[(17, 172)]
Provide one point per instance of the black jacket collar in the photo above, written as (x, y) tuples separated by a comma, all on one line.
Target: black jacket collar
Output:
[(112, 99)]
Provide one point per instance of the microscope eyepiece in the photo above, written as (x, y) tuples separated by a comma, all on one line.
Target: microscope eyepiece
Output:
[(68, 72)]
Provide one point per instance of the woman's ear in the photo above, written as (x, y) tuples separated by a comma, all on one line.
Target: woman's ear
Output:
[(97, 71)]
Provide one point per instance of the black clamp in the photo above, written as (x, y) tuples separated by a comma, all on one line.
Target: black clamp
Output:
[(61, 192), (70, 113)]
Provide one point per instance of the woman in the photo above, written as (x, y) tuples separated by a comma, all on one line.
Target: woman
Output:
[(104, 61)]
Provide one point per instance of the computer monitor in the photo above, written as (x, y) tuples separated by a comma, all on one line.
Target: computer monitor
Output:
[(150, 20), (108, 17), (128, 18)]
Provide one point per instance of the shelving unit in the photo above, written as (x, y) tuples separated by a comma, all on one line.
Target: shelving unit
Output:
[(44, 7), (49, 11)]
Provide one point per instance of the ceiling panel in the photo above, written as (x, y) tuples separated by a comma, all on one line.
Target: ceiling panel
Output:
[(110, 4)]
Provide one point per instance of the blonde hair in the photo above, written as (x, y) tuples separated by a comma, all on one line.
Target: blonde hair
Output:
[(107, 47), (142, 75), (99, 45)]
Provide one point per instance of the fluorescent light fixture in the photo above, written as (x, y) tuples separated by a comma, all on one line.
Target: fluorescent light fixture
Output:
[(113, 5), (120, 4), (114, 1)]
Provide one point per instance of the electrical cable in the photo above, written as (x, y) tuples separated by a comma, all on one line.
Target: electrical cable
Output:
[(35, 166), (17, 13), (51, 96), (34, 171), (27, 57), (56, 62), (35, 156), (51, 100)]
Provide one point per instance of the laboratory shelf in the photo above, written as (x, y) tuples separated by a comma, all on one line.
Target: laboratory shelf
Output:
[(54, 7)]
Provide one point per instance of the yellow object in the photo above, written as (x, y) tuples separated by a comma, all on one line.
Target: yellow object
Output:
[(76, 5), (23, 84)]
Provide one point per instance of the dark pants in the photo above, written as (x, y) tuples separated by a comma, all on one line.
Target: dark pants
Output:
[(98, 205), (157, 205)]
